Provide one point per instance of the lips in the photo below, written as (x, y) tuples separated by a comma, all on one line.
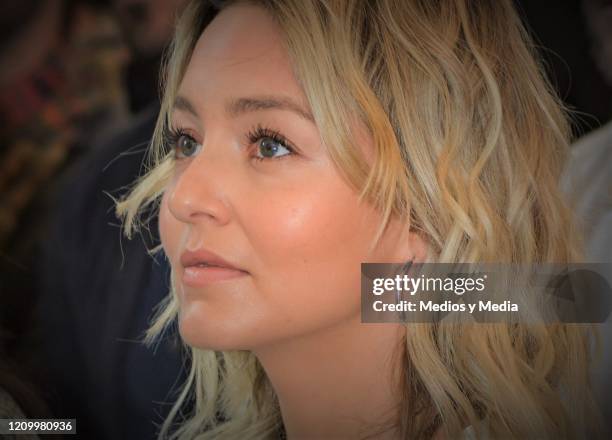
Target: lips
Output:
[(204, 258), (202, 268)]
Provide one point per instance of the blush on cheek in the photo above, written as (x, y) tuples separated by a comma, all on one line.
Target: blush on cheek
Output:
[(285, 230), (313, 226)]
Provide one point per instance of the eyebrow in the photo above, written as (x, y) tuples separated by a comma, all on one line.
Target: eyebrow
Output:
[(239, 106)]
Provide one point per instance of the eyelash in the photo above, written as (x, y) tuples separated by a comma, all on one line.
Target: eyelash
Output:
[(172, 135), (260, 132)]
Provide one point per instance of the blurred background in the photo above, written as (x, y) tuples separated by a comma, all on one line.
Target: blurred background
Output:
[(79, 95)]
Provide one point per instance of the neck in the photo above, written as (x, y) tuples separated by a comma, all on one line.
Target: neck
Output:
[(337, 383)]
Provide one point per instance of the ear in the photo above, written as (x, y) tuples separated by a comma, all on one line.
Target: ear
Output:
[(401, 243), (398, 244), (419, 246)]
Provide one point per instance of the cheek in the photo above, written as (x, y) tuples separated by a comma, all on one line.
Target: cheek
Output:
[(300, 226), (312, 242), (309, 219)]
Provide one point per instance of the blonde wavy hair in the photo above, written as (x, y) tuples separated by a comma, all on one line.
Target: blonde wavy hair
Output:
[(470, 142)]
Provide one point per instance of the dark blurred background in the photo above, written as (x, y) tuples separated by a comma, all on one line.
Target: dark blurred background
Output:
[(78, 102), (79, 85)]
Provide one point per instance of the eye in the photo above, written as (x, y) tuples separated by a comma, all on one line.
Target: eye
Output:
[(182, 143), (269, 148), (270, 144), (186, 146)]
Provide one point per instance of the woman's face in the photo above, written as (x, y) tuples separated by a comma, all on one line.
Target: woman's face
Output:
[(276, 208)]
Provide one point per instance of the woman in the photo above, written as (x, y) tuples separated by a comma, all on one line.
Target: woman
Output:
[(299, 139)]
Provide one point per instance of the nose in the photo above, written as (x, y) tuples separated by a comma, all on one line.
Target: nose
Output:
[(199, 192)]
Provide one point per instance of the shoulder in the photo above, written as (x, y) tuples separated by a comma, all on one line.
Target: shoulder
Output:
[(84, 196), (590, 164), (115, 161)]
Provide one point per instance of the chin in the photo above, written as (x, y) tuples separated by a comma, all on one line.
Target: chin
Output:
[(203, 331)]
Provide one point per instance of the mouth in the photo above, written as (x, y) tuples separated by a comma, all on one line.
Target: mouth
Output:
[(203, 267), (203, 274)]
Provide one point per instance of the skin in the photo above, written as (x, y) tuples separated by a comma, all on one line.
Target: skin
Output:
[(292, 223)]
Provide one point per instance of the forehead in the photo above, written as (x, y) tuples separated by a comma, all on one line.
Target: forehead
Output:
[(239, 53)]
